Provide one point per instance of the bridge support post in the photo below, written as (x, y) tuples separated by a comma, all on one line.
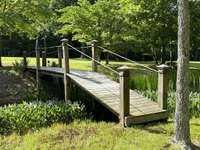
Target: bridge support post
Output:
[(59, 57), (37, 51), (94, 55), (106, 57), (24, 59), (44, 59), (66, 69), (162, 85), (124, 94)]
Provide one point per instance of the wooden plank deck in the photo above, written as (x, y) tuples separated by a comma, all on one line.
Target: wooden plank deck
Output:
[(106, 92)]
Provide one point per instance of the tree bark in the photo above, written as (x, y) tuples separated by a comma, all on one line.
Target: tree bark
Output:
[(182, 127)]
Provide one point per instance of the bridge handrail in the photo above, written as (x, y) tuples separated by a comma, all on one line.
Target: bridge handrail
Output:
[(51, 47), (52, 52), (134, 62), (109, 68)]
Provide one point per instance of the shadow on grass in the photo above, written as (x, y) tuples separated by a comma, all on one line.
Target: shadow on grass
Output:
[(195, 147), (152, 127)]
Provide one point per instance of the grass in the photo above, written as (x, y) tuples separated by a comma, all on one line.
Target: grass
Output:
[(83, 64), (76, 63), (88, 135)]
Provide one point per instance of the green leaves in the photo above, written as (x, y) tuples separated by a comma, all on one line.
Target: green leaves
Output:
[(105, 21), (25, 16), (25, 116)]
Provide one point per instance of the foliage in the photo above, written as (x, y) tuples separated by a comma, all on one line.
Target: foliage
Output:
[(19, 67), (194, 101), (22, 117), (105, 21), (53, 64), (147, 27), (158, 25), (22, 16), (145, 80)]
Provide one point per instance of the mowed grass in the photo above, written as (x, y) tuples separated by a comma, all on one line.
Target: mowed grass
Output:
[(88, 135), (75, 63), (83, 64)]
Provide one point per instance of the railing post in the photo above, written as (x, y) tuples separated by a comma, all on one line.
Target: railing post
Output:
[(124, 93), (24, 59), (162, 85), (44, 59), (1, 54), (37, 71), (59, 57), (94, 55), (107, 58), (66, 69)]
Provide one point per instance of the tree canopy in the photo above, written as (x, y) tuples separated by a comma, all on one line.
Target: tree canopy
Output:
[(124, 25), (31, 17), (105, 21)]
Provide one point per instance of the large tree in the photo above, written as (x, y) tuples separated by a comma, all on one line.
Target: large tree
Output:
[(182, 127), (28, 17), (106, 21)]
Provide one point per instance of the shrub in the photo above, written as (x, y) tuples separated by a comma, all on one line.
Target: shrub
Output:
[(19, 66), (194, 102), (22, 117)]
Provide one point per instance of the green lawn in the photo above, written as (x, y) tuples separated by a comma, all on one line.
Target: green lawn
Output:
[(83, 64), (87, 135), (76, 63)]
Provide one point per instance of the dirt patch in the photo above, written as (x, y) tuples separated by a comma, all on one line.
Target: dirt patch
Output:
[(15, 87)]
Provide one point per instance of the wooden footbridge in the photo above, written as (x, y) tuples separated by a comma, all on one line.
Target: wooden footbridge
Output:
[(127, 104)]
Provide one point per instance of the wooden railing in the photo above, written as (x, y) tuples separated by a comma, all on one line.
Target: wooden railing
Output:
[(123, 72)]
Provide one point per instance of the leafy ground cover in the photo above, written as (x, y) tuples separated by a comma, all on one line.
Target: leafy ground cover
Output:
[(88, 135), (22, 117)]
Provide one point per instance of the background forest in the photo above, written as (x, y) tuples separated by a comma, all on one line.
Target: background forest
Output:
[(139, 29)]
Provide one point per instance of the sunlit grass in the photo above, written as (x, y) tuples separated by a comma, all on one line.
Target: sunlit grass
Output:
[(87, 135), (75, 63), (83, 64)]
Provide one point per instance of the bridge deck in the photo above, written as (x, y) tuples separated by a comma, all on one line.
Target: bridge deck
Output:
[(106, 92)]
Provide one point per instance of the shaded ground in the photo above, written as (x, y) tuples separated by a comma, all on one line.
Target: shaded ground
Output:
[(15, 87)]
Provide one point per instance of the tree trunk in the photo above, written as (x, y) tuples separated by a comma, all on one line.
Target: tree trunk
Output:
[(84, 51), (182, 127), (162, 61)]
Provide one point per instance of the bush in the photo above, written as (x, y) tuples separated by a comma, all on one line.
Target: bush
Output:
[(194, 102), (22, 117), (19, 66)]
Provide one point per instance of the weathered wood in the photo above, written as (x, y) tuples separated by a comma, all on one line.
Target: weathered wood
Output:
[(106, 92), (44, 58), (59, 57), (37, 51), (24, 59), (107, 58), (124, 93), (162, 86), (94, 55), (66, 69), (162, 115)]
